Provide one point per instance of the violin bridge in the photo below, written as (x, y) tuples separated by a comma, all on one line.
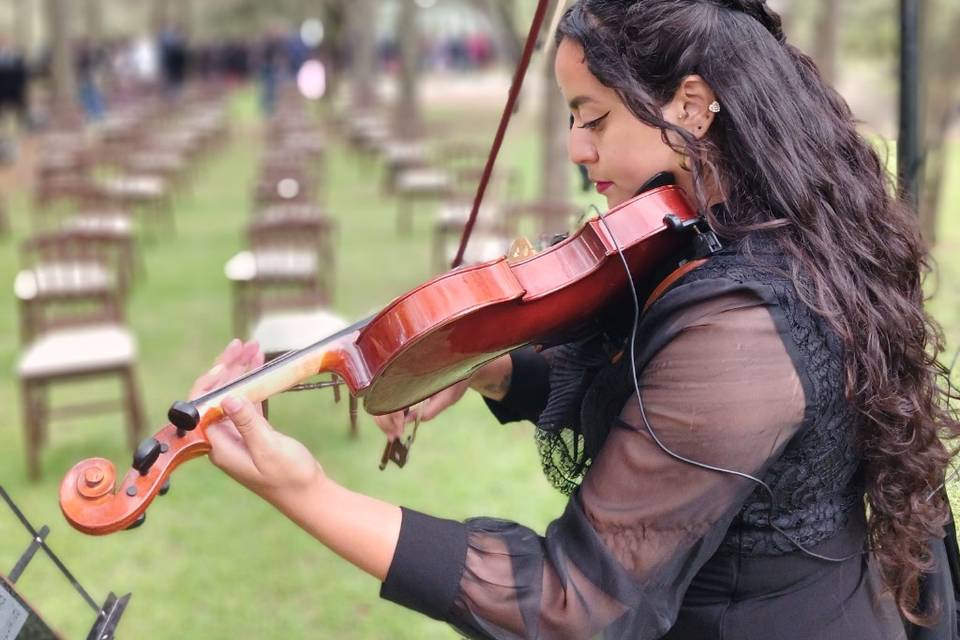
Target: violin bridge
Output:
[(519, 249)]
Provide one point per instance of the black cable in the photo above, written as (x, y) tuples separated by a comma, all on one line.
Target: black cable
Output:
[(672, 454)]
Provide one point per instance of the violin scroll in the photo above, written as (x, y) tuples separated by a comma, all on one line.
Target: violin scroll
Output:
[(93, 502)]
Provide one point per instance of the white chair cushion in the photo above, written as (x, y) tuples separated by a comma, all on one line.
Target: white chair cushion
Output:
[(418, 180), (136, 186), (481, 248), (272, 263), (78, 350), (458, 212), (285, 331), (116, 224), (400, 152)]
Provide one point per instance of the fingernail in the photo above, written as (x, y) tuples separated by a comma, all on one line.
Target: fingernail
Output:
[(215, 370), (231, 404)]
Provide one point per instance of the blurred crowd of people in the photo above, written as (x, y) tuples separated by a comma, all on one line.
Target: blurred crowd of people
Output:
[(459, 52), (114, 71)]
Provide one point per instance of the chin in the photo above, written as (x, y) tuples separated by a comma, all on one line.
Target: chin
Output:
[(614, 200)]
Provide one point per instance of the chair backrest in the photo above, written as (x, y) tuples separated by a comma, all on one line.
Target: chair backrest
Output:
[(42, 313), (75, 187), (548, 216), (283, 227), (70, 278)]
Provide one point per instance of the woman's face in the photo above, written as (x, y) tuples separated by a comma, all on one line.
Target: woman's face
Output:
[(619, 151)]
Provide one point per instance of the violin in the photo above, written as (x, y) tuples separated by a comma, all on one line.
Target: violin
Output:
[(424, 341)]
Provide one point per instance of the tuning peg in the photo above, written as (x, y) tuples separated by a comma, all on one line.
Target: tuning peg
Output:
[(146, 454), (139, 521), (165, 488)]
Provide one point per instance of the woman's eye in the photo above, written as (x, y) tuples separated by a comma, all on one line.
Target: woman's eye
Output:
[(593, 124)]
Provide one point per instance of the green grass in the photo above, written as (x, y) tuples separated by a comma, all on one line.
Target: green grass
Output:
[(213, 561)]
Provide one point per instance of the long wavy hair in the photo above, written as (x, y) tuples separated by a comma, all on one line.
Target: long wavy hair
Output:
[(786, 153)]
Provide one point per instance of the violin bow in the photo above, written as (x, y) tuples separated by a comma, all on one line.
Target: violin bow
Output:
[(521, 71), (398, 449)]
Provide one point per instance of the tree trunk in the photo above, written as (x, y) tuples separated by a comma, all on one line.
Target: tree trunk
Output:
[(786, 10), (943, 77), (360, 18), (63, 84), (159, 15), (185, 17), (555, 180), (503, 15), (93, 21), (825, 43), (23, 22), (407, 113)]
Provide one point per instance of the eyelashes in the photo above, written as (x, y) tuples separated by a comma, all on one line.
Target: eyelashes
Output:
[(593, 124)]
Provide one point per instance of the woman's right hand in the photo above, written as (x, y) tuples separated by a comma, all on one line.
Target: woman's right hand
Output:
[(393, 424), (491, 380)]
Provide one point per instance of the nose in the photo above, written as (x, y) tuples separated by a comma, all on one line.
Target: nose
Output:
[(580, 147)]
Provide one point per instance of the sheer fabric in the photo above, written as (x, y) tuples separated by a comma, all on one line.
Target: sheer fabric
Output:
[(724, 392)]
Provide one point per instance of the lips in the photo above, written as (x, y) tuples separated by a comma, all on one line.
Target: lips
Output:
[(603, 186)]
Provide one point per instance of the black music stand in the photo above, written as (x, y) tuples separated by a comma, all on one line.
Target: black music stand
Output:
[(19, 621)]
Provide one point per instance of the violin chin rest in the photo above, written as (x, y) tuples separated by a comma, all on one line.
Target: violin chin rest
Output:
[(183, 415)]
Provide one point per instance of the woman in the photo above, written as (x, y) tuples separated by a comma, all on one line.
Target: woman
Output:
[(782, 383)]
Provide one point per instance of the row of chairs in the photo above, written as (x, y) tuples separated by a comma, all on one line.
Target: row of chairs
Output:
[(446, 173), (282, 281), (78, 268)]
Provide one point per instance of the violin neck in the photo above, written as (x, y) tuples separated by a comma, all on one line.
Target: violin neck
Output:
[(273, 377)]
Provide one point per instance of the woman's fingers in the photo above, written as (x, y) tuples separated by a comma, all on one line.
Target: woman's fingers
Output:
[(251, 425), (229, 452), (392, 424)]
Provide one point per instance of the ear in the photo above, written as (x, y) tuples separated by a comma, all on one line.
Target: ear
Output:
[(690, 106)]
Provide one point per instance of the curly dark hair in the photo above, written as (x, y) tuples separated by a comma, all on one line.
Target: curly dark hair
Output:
[(786, 153)]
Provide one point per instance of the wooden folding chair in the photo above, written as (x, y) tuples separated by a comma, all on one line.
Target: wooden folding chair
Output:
[(66, 339), (289, 264)]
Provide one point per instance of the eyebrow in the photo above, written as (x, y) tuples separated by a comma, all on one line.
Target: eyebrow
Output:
[(579, 100)]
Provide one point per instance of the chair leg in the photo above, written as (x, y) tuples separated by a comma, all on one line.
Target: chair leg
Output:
[(404, 215), (31, 435), (353, 417), (239, 309), (134, 411), (41, 410)]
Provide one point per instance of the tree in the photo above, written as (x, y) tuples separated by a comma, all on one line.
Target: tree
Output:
[(942, 77), (555, 179), (24, 24), (363, 65), (63, 86), (825, 39), (93, 20), (407, 113)]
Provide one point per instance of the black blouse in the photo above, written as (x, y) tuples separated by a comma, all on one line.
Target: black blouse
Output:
[(637, 551)]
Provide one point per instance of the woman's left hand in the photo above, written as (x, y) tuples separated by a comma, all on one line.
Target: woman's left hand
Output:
[(245, 445)]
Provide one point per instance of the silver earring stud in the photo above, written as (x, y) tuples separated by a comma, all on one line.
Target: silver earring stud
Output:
[(714, 107)]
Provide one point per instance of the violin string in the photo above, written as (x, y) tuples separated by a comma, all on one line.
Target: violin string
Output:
[(677, 456), (278, 361)]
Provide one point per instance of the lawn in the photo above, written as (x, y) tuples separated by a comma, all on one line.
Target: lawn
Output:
[(212, 560)]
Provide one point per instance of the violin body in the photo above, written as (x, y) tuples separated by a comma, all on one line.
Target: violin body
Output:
[(440, 332), (424, 341)]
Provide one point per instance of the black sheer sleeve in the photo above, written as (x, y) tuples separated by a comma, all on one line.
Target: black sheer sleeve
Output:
[(529, 387), (723, 391)]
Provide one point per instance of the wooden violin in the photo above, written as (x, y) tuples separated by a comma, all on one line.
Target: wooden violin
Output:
[(424, 341)]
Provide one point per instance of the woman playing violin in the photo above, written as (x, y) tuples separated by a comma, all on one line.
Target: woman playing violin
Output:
[(762, 458)]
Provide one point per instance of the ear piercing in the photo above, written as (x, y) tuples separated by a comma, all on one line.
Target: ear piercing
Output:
[(714, 107)]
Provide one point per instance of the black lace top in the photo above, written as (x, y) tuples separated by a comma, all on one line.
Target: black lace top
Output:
[(734, 373)]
